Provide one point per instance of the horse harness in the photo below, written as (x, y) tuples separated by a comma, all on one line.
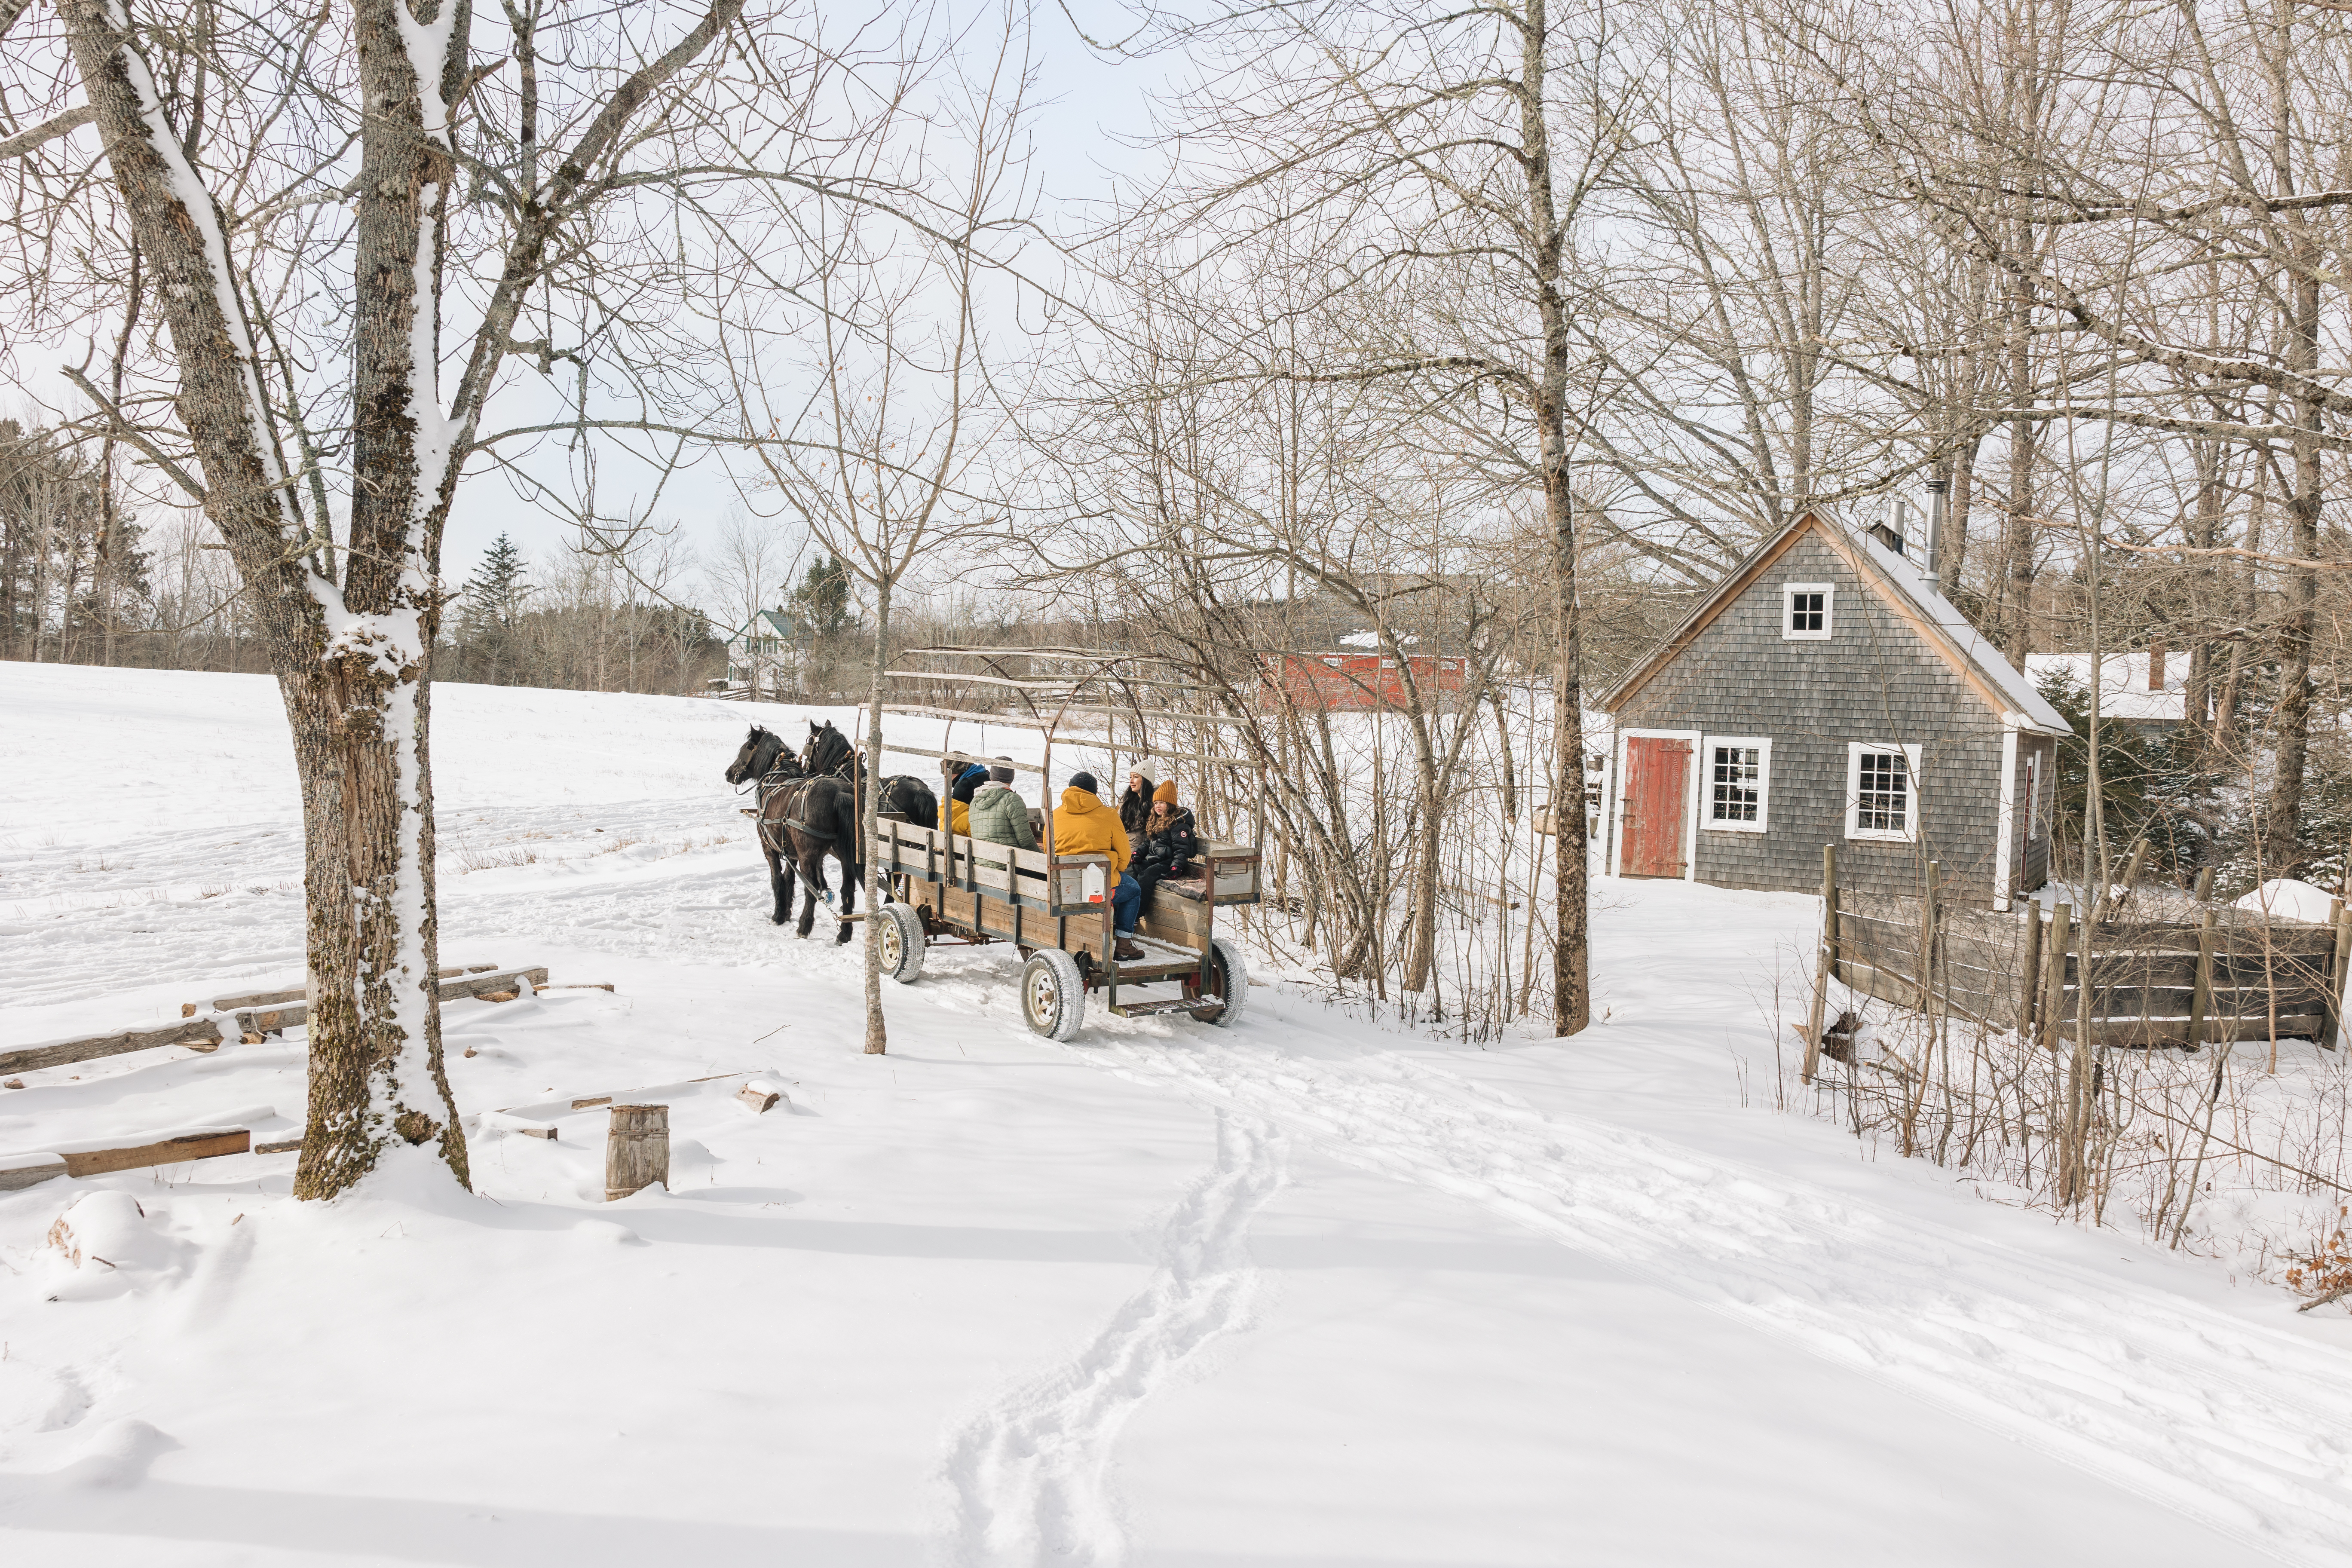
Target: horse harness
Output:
[(771, 783)]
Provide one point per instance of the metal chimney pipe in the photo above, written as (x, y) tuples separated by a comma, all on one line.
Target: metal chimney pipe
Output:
[(1938, 507)]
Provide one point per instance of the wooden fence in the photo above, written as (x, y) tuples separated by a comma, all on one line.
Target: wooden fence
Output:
[(2227, 975)]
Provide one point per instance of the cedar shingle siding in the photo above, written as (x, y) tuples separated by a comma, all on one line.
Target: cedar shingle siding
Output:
[(1875, 679)]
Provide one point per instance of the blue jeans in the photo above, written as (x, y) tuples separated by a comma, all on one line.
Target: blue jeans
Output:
[(1126, 905)]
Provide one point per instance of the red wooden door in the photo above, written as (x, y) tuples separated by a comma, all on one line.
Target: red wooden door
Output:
[(1657, 777)]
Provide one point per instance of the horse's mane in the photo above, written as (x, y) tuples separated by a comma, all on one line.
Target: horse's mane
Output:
[(827, 749)]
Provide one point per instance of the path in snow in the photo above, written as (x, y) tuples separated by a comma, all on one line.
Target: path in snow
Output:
[(2245, 1428), (1029, 1474)]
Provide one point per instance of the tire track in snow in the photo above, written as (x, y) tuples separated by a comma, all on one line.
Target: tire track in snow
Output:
[(1029, 1475), (2245, 1428)]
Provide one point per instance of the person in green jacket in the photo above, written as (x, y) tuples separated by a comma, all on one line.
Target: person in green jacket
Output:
[(998, 815)]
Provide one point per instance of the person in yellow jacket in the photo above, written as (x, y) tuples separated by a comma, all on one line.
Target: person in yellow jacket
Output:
[(1083, 825)]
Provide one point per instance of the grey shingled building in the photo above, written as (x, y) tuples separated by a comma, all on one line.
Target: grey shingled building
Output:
[(1825, 693)]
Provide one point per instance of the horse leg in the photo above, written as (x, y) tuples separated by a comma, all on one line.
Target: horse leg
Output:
[(849, 878), (813, 877), (780, 883)]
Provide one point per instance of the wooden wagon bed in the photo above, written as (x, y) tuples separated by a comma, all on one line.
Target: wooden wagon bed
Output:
[(960, 887)]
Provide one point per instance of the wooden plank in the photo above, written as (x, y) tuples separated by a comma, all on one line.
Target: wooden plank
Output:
[(302, 992), (1176, 913), (497, 979), (207, 1145), (60, 1053), (1082, 930)]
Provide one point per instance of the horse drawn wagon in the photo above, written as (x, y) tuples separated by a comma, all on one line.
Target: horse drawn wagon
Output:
[(947, 887)]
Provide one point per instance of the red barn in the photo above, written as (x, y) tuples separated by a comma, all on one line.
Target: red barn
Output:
[(1354, 681)]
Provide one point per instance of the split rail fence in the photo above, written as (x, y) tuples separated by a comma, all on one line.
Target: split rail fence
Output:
[(2226, 975)]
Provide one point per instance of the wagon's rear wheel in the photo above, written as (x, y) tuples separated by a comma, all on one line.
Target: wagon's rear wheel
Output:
[(1053, 993), (1228, 982), (900, 933)]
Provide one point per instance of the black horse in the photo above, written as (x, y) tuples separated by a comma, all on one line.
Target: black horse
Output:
[(802, 820), (828, 751)]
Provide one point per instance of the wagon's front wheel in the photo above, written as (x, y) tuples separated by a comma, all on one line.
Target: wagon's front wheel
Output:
[(1053, 993), (902, 936)]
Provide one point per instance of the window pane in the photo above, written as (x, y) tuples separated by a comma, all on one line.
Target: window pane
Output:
[(1807, 611), (1883, 790), (1735, 784)]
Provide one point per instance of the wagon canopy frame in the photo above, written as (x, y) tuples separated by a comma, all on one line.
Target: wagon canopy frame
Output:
[(1041, 900)]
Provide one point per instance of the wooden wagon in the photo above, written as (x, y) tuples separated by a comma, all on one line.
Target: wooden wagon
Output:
[(947, 887)]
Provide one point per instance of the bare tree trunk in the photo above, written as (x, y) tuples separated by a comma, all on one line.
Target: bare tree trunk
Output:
[(2018, 525), (1571, 975), (877, 1035), (350, 667), (2297, 628)]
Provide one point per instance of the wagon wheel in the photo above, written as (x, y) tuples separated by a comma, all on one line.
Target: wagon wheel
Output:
[(1053, 993), (900, 934), (1228, 982)]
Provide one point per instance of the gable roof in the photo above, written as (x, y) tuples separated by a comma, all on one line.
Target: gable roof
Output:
[(1896, 581), (769, 624)]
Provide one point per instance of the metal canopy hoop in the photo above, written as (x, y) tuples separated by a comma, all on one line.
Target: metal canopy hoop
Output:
[(1053, 906)]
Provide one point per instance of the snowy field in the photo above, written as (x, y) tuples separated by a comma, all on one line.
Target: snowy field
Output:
[(1305, 1293)]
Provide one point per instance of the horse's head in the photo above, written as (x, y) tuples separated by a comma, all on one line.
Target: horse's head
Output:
[(760, 754), (828, 750)]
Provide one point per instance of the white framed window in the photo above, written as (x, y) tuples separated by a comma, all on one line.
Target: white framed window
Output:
[(1738, 783), (1807, 610), (1882, 792)]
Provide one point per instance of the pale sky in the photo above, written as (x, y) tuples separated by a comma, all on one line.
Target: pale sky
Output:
[(1084, 100)]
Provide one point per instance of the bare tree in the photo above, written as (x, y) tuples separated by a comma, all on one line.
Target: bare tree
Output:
[(1430, 165), (886, 461), (310, 197)]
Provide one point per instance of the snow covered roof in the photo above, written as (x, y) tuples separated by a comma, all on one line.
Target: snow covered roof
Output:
[(2123, 684), (1947, 630)]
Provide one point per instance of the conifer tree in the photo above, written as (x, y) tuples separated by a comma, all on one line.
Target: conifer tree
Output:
[(493, 611)]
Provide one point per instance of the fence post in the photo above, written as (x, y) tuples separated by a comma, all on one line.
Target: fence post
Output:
[(1927, 937), (2201, 1000), (1825, 964), (2334, 1028), (2030, 984), (2053, 999)]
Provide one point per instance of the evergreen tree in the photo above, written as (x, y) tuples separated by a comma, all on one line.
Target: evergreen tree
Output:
[(493, 610), (823, 599)]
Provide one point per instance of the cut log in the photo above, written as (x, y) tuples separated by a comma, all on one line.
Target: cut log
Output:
[(581, 986), (548, 1132), (18, 1172), (511, 981), (592, 1102), (758, 1096), (13, 1083), (280, 1146), (201, 1143), (636, 1150), (498, 996), (258, 999), (187, 1031)]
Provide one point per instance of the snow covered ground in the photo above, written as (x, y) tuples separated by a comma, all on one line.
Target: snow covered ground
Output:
[(1305, 1292)]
